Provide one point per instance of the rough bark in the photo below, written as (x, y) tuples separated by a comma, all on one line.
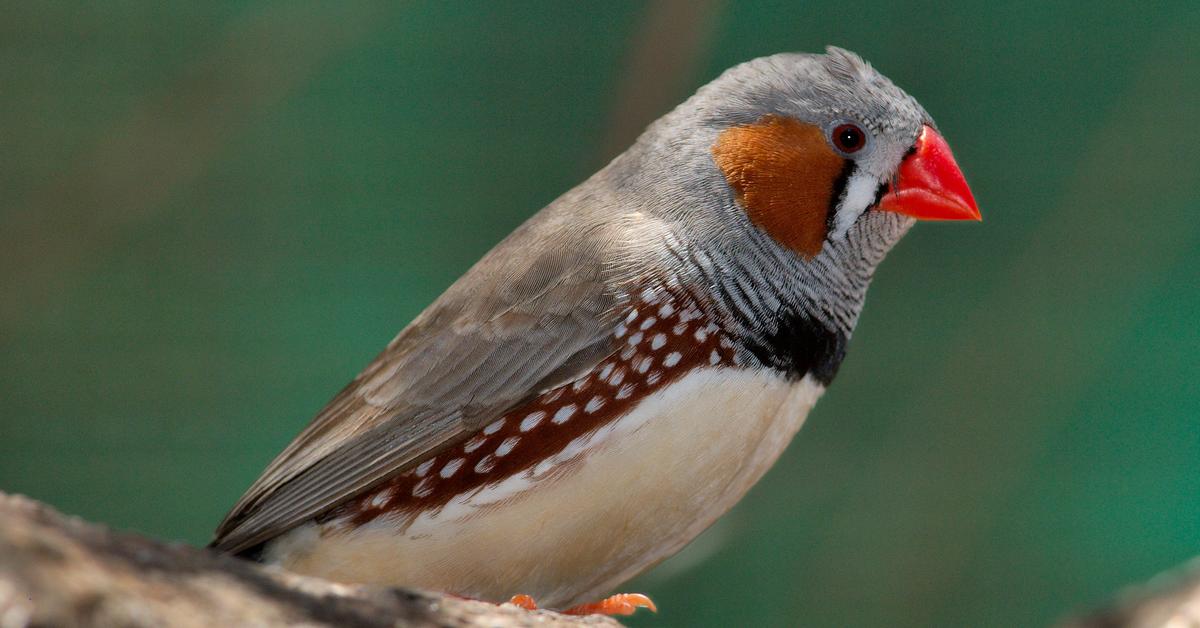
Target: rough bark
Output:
[(62, 571)]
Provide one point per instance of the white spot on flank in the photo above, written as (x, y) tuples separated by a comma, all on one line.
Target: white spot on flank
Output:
[(608, 367), (594, 404), (381, 498), (424, 467), (628, 352), (580, 384), (625, 391), (648, 323), (532, 420), (653, 378), (672, 359), (621, 329), (644, 365), (424, 488), (494, 427), (632, 316), (507, 446), (714, 357), (542, 467), (658, 341), (689, 314), (679, 329), (451, 467), (564, 414), (617, 377), (666, 310), (701, 335), (552, 396), (474, 443), (485, 464), (636, 338)]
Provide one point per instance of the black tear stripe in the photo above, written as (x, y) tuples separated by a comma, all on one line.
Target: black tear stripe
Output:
[(879, 192), (894, 183), (849, 167), (800, 346)]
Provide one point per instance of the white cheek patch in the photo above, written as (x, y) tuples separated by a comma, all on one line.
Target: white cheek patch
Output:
[(860, 192)]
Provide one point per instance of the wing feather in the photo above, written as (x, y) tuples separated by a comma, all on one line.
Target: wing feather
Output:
[(507, 329)]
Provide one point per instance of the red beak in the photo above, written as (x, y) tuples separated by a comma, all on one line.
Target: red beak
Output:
[(930, 185)]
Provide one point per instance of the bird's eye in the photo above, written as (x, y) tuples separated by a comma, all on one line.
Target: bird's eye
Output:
[(848, 138)]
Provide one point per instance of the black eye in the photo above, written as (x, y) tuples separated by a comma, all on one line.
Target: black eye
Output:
[(848, 138)]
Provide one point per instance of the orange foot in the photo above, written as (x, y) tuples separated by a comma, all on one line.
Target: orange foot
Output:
[(619, 604), (524, 601)]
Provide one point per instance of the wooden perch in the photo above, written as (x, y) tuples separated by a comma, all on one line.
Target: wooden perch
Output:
[(62, 571)]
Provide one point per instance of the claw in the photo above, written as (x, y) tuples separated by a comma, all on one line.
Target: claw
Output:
[(619, 604)]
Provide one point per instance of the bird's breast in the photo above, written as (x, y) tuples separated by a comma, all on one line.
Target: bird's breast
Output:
[(585, 486)]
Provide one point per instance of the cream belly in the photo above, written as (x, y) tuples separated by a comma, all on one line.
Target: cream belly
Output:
[(605, 509)]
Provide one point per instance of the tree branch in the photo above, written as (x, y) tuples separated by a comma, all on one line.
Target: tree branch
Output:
[(62, 571)]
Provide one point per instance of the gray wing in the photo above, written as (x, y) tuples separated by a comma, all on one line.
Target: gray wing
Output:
[(515, 324)]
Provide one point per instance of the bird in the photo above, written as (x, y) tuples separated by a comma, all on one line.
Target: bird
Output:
[(621, 369)]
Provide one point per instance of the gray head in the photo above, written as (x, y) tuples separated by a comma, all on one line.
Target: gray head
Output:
[(784, 182)]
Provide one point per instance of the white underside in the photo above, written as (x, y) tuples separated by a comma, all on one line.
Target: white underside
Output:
[(612, 505)]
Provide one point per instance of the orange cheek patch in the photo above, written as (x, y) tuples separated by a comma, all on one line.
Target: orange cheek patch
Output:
[(783, 173)]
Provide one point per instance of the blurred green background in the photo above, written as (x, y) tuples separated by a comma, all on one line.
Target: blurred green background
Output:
[(214, 214)]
